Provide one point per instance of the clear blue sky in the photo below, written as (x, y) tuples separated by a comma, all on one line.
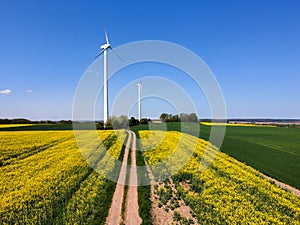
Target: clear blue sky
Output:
[(253, 48)]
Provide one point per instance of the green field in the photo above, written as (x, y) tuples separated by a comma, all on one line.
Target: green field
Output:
[(275, 151)]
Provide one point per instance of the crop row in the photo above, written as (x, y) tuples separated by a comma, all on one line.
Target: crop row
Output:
[(37, 189), (19, 145), (227, 192), (89, 204)]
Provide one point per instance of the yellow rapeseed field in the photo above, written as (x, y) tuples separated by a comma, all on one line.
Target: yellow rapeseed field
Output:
[(45, 179), (228, 191), (235, 124), (15, 125)]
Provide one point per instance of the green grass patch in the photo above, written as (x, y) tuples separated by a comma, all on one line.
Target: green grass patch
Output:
[(143, 191)]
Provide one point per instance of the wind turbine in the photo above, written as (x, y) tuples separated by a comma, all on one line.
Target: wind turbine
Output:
[(104, 49), (139, 85)]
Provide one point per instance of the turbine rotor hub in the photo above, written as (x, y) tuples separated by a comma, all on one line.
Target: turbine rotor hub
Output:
[(105, 46)]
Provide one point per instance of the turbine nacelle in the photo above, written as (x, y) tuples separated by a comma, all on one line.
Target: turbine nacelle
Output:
[(105, 46), (139, 85)]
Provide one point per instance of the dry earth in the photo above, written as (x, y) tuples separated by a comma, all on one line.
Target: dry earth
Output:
[(163, 214), (131, 205), (115, 212)]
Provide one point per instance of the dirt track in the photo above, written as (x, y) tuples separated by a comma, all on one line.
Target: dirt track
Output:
[(132, 209)]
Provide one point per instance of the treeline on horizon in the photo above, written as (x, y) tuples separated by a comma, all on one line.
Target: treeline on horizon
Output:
[(164, 117), (182, 117), (26, 121), (122, 121)]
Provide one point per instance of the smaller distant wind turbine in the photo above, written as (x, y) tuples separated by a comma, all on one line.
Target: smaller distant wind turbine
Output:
[(105, 70), (139, 85)]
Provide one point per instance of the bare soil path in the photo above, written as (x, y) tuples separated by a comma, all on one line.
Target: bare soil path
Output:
[(132, 207), (115, 212), (131, 203)]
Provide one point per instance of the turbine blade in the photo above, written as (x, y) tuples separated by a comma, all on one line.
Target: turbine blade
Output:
[(116, 53), (106, 36), (99, 54)]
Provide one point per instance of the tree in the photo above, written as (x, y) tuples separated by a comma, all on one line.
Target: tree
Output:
[(184, 117), (164, 117), (193, 117), (144, 121), (100, 126), (120, 122), (5, 121), (175, 118), (66, 121), (20, 121), (133, 122), (109, 122)]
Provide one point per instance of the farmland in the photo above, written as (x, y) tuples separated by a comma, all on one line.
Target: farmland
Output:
[(14, 125), (45, 179), (272, 150), (228, 192)]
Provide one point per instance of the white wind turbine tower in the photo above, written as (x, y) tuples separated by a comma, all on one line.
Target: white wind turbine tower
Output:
[(105, 70), (139, 85)]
